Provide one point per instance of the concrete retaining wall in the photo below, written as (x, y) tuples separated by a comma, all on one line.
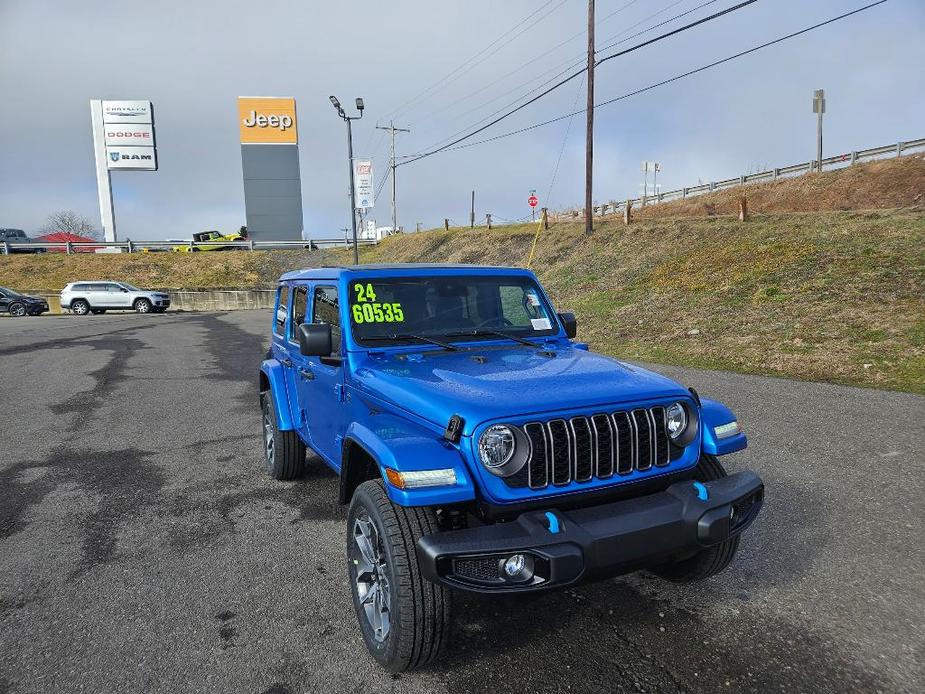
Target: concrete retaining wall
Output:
[(206, 300)]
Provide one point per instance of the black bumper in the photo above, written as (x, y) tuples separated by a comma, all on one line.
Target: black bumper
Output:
[(594, 542)]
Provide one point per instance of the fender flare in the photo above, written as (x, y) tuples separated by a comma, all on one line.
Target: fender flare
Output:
[(276, 379), (394, 442), (712, 415)]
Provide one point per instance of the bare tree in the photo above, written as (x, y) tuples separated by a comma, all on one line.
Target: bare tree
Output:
[(70, 222)]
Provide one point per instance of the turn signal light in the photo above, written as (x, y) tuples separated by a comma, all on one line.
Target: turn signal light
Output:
[(420, 478)]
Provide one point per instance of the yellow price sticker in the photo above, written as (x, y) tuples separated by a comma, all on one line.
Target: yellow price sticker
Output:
[(368, 310)]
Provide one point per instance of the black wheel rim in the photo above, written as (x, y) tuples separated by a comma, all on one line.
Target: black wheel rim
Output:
[(371, 576)]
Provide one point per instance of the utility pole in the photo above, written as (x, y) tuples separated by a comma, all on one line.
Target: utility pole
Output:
[(472, 212), (589, 141), (392, 130), (819, 109)]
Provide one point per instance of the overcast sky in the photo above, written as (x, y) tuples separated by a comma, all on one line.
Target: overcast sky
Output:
[(193, 58)]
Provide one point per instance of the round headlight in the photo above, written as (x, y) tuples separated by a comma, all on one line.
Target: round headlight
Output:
[(676, 420), (496, 445)]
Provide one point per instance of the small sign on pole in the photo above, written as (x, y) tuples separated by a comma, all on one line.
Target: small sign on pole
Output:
[(363, 183)]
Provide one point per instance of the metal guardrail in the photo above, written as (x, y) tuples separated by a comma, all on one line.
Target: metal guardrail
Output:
[(847, 158), (136, 246)]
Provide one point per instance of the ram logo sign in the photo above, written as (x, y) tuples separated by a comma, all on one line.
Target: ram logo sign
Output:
[(267, 120), (132, 158)]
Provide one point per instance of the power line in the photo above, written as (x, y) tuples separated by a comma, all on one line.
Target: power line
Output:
[(667, 81), (482, 55), (571, 64), (576, 74)]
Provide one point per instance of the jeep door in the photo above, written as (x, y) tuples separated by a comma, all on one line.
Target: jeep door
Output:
[(282, 350), (117, 296), (320, 380), (97, 294)]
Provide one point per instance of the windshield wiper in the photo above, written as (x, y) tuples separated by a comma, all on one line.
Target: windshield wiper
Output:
[(409, 336), (479, 332)]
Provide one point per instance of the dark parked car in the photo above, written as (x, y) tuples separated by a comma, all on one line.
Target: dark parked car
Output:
[(17, 304), (18, 236)]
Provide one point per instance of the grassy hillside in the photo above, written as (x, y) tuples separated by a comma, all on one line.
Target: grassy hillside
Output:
[(824, 295)]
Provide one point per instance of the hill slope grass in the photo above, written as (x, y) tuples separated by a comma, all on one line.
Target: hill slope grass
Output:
[(836, 297)]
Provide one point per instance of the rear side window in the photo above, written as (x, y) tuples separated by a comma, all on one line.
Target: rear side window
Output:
[(282, 310), (325, 309), (299, 306)]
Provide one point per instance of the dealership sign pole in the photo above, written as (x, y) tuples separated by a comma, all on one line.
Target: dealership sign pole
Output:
[(123, 138)]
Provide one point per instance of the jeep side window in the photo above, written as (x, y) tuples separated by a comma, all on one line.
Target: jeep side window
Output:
[(299, 306), (282, 310), (326, 309)]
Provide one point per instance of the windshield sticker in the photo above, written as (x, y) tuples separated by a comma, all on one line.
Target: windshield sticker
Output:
[(533, 299), (541, 324), (368, 310)]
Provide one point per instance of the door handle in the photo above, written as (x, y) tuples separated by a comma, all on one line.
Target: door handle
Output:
[(306, 374), (286, 362)]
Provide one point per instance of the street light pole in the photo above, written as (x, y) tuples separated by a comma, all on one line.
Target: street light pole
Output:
[(353, 212)]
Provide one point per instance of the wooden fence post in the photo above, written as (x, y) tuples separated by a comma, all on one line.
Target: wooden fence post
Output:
[(743, 209), (545, 218), (628, 212), (488, 220), (446, 224)]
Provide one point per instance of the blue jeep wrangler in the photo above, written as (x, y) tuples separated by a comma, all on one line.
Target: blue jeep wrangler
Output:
[(480, 448)]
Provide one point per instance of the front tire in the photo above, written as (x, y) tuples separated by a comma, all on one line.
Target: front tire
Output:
[(17, 310), (142, 306), (404, 618), (80, 307), (710, 561), (283, 451)]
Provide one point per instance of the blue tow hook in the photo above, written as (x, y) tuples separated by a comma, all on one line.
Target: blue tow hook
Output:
[(702, 492), (553, 522)]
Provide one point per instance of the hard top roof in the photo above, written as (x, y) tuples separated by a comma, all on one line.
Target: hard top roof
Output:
[(398, 269)]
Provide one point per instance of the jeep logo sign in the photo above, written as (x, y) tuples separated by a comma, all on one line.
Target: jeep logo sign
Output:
[(267, 120)]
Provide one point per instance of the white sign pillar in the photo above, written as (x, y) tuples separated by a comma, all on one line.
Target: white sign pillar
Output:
[(103, 182)]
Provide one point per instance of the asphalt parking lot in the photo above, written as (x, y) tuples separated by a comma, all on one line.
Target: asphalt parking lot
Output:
[(143, 547)]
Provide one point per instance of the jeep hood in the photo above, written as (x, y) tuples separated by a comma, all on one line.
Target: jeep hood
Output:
[(481, 384)]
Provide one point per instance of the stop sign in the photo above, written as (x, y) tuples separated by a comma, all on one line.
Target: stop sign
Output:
[(532, 201)]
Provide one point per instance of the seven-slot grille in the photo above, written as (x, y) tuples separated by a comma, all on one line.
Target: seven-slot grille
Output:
[(600, 446)]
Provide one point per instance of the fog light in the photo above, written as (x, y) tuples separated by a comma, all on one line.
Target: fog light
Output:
[(517, 568), (514, 565)]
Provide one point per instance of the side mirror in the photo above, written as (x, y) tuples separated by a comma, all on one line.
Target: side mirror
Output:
[(315, 339), (569, 323)]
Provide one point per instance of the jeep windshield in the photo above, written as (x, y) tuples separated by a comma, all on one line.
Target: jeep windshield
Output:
[(448, 308)]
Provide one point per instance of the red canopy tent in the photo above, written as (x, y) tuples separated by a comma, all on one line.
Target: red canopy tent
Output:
[(64, 237)]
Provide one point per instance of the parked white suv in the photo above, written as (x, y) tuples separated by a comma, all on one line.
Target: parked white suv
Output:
[(101, 296)]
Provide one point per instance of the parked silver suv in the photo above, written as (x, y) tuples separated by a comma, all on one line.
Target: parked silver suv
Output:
[(101, 296)]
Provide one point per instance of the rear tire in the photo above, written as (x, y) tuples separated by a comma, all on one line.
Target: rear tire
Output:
[(710, 561), (283, 451), (80, 307), (142, 306), (414, 614)]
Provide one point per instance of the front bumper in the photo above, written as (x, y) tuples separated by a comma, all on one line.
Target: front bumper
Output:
[(563, 548)]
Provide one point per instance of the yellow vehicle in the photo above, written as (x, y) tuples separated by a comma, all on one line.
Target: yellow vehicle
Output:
[(214, 241)]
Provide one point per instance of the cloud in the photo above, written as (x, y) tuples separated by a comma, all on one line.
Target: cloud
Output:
[(193, 59)]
